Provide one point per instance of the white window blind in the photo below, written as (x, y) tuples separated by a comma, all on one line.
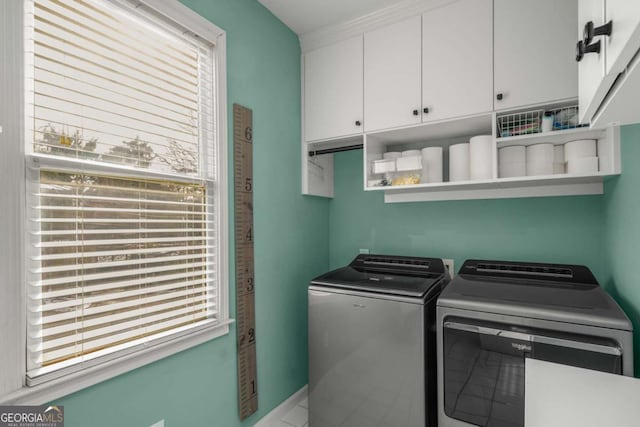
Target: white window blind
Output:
[(113, 85), (122, 200)]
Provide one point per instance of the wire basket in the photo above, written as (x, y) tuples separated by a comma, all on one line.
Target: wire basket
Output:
[(519, 123), (566, 118)]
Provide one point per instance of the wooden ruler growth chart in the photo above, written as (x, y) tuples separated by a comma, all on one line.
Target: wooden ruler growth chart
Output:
[(245, 296)]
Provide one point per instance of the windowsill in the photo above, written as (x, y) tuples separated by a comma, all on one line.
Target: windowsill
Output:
[(55, 389)]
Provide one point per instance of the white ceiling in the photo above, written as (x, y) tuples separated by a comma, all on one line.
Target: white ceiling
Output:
[(304, 16)]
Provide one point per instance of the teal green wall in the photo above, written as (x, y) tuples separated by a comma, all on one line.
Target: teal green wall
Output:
[(602, 232), (622, 232), (198, 387), (560, 229)]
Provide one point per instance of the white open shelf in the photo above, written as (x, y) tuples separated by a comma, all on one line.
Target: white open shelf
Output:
[(505, 182), (318, 170), (539, 186), (457, 131)]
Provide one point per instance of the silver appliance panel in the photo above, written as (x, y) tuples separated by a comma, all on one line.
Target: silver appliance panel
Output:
[(366, 359), (608, 347)]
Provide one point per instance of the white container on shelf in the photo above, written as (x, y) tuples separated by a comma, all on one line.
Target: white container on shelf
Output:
[(583, 165), (391, 155), (481, 157), (459, 162), (558, 154), (512, 170), (512, 161), (410, 153), (372, 158), (408, 170), (558, 160), (580, 148), (383, 166), (540, 159), (409, 163), (559, 168), (432, 164), (547, 122)]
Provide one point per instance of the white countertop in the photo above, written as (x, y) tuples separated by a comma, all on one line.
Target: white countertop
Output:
[(565, 396)]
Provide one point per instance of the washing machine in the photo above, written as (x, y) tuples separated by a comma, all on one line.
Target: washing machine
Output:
[(372, 343), (494, 315)]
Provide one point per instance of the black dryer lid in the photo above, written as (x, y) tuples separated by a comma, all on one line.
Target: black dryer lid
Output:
[(414, 277)]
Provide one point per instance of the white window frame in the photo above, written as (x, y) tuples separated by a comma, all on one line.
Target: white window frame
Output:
[(13, 246)]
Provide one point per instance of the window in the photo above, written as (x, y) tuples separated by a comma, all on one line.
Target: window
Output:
[(125, 181)]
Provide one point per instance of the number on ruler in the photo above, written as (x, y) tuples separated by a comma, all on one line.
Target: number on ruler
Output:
[(249, 284), (248, 133), (248, 184)]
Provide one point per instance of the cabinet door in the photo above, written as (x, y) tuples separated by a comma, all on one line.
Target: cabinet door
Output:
[(457, 60), (591, 68), (625, 35), (534, 48), (333, 90), (392, 76)]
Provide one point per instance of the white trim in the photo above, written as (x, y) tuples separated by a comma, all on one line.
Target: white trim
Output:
[(27, 59), (175, 11), (380, 18), (47, 161), (283, 409), (304, 171), (223, 206), (71, 383), (493, 191), (12, 200)]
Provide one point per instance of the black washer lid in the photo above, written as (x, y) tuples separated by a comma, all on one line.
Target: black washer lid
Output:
[(387, 274)]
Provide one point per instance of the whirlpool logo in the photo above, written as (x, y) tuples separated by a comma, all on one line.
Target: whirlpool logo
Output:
[(31, 416), (521, 347)]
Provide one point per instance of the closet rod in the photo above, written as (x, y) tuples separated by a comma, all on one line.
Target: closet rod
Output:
[(335, 150)]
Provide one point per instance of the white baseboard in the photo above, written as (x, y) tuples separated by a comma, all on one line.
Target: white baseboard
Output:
[(283, 409)]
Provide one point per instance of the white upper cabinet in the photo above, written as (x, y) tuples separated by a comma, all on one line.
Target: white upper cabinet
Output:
[(534, 52), (609, 32), (392, 76), (591, 67), (625, 18), (333, 90), (457, 60)]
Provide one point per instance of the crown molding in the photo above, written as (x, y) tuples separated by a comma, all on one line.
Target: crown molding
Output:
[(380, 18)]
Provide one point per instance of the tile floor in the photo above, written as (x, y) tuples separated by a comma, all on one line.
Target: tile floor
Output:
[(297, 417)]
